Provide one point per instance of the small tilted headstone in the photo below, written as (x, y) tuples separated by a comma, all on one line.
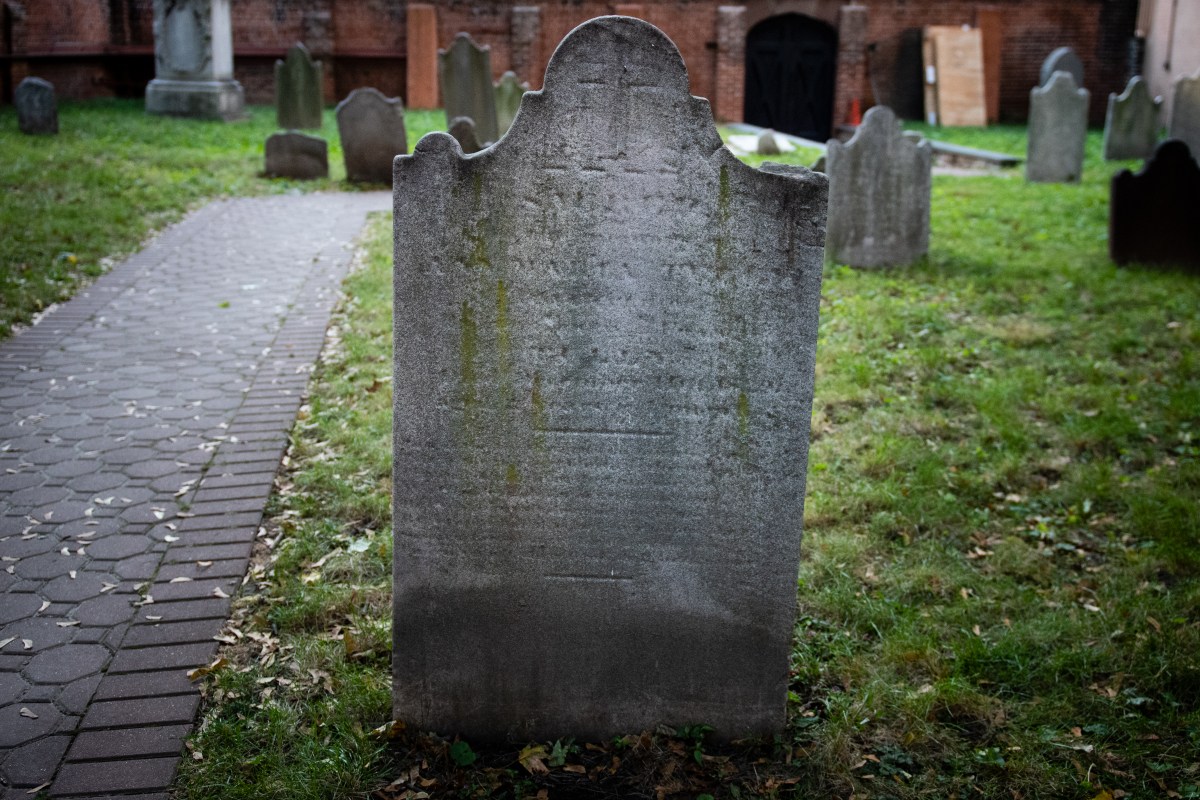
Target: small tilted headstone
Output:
[(1057, 131), (879, 190), (1131, 124), (509, 91), (371, 128), (463, 131), (298, 92), (767, 144), (465, 73), (1154, 215), (605, 336), (37, 111), (1185, 112), (1063, 59), (296, 155)]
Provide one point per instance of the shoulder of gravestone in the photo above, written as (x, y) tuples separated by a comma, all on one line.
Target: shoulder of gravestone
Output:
[(1172, 157)]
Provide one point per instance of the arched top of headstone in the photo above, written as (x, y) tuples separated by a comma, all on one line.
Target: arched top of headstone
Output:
[(510, 80), (1063, 59), (880, 125), (654, 61), (1136, 88), (1061, 85), (463, 41), (37, 109), (1172, 162), (297, 53), (34, 83), (369, 96), (462, 129), (1187, 80)]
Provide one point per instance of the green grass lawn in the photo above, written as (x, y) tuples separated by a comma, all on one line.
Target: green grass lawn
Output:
[(998, 595), (77, 202)]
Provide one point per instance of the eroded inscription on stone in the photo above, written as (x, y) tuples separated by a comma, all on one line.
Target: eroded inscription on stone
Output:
[(604, 350)]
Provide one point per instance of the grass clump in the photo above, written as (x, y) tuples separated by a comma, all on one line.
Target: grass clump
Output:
[(77, 202), (999, 591)]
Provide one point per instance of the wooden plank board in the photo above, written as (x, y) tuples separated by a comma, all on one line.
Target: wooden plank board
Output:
[(929, 75), (958, 68), (990, 22)]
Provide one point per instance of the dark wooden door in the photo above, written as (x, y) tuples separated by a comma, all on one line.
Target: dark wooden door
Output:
[(790, 62)]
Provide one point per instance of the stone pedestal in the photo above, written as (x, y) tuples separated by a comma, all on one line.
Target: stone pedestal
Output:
[(193, 61)]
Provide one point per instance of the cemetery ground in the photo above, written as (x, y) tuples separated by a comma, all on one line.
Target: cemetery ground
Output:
[(998, 594)]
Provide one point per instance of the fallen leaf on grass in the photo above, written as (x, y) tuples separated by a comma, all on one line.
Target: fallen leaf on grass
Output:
[(389, 730), (200, 672), (531, 759)]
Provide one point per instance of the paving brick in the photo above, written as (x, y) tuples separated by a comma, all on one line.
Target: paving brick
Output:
[(213, 552), (66, 663), (141, 711), (211, 608), (229, 568), (163, 740), (222, 480), (218, 536), (159, 633), (167, 656), (193, 590), (254, 490), (144, 684), (114, 776), (34, 764)]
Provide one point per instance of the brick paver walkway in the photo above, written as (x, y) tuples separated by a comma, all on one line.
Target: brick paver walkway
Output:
[(141, 425)]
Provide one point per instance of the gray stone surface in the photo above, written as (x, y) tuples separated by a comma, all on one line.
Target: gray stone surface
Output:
[(1062, 59), (371, 128), (1131, 124), (298, 85), (37, 110), (462, 129), (296, 155), (605, 341), (465, 75), (193, 61), (1185, 113), (879, 189), (185, 347), (767, 144), (1057, 130), (509, 91)]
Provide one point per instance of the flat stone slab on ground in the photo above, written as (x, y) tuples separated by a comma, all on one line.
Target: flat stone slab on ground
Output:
[(371, 128), (37, 110), (1057, 131), (296, 155), (605, 342), (1154, 216), (879, 194)]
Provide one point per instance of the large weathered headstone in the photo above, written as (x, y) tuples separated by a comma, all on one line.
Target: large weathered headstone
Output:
[(509, 90), (296, 155), (605, 337), (463, 131), (1131, 124), (1063, 59), (1057, 131), (1185, 112), (879, 189), (193, 61), (465, 73), (298, 82), (371, 128), (1154, 215), (37, 111)]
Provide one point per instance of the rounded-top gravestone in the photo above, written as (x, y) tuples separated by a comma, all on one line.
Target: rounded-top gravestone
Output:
[(463, 131), (37, 110), (1153, 214), (1063, 59), (605, 336), (1057, 131), (1185, 112), (298, 89), (1131, 123), (509, 91), (465, 75), (371, 128)]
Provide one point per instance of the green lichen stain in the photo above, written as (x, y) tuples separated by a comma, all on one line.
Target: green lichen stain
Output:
[(512, 478), (539, 403), (477, 258), (468, 351), (743, 415), (503, 346), (723, 193)]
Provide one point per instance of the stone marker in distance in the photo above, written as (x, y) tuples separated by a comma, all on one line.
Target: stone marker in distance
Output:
[(465, 74), (1131, 124), (296, 155), (879, 189), (1062, 59), (37, 111), (1154, 215), (463, 131), (193, 61), (509, 90), (1057, 131), (371, 129), (1185, 112), (298, 82), (604, 350)]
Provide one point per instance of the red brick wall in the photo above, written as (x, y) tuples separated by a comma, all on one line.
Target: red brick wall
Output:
[(75, 43)]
